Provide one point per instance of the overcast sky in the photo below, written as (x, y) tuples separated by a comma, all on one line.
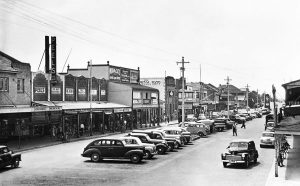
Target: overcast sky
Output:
[(255, 42)]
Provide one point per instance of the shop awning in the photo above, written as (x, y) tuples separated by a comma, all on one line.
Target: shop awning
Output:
[(39, 106), (15, 110), (289, 125), (95, 106)]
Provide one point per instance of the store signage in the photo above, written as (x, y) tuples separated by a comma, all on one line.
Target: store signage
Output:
[(127, 110), (94, 92), (118, 110), (40, 90), (47, 108), (137, 101), (146, 101), (53, 58), (125, 75), (134, 76), (103, 92), (114, 73), (69, 91), (81, 91), (55, 90), (186, 106)]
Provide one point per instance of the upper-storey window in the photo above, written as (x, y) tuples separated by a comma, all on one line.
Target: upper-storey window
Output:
[(20, 85), (4, 84)]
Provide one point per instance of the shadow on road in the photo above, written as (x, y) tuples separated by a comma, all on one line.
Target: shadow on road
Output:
[(116, 162), (4, 169)]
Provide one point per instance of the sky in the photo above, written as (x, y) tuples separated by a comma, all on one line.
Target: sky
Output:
[(255, 42)]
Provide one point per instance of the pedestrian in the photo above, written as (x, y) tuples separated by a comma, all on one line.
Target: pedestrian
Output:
[(168, 119), (234, 130), (280, 159), (81, 129), (243, 124), (124, 125)]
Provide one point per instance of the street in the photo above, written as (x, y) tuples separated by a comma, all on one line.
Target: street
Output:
[(198, 163)]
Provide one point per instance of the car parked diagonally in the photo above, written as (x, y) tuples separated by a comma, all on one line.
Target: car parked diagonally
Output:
[(113, 148), (8, 157)]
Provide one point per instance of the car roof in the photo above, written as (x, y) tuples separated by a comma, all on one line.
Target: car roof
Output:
[(241, 140), (108, 138), (2, 146), (265, 132), (137, 134)]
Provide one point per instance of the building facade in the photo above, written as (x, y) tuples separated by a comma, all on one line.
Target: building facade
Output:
[(15, 97)]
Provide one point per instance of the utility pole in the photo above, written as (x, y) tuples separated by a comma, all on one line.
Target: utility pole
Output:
[(227, 79), (91, 98), (183, 93), (200, 90), (247, 101), (257, 99)]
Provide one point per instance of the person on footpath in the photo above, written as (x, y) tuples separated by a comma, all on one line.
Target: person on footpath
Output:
[(243, 124), (234, 129)]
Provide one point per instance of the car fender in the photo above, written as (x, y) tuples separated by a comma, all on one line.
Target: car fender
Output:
[(88, 152), (16, 156), (161, 145), (136, 151)]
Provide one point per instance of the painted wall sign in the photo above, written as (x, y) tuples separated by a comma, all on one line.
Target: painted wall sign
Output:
[(69, 91), (125, 75), (103, 92), (94, 92), (134, 76), (114, 73), (55, 90), (40, 90), (81, 91)]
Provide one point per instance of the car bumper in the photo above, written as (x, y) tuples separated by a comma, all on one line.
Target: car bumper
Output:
[(233, 161)]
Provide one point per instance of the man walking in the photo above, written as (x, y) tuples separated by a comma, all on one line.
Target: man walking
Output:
[(243, 124), (234, 129)]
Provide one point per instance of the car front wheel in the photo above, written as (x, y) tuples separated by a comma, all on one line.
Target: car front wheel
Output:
[(160, 150), (95, 157), (148, 155), (135, 158), (15, 164)]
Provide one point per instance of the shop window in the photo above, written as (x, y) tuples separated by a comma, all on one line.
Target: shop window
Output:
[(4, 84), (20, 85)]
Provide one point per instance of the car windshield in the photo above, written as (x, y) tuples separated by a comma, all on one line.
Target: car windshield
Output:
[(130, 142), (268, 134), (238, 146)]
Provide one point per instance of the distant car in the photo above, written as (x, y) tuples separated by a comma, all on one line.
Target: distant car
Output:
[(195, 128), (191, 117), (161, 145), (209, 124), (172, 132), (267, 139), (201, 117), (270, 125), (8, 157), (220, 124), (240, 151), (150, 149), (113, 148), (237, 118)]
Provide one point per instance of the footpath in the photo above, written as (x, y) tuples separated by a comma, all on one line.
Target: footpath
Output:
[(30, 144), (289, 174)]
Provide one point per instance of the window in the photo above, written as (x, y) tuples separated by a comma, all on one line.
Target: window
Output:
[(4, 84), (20, 85)]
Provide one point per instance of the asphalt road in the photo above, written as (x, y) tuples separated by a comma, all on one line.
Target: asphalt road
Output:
[(198, 163)]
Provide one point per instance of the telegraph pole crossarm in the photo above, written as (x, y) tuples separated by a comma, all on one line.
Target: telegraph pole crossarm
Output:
[(183, 93)]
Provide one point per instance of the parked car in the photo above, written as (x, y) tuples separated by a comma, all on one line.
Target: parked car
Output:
[(195, 128), (8, 157), (191, 117), (270, 125), (161, 145), (220, 124), (267, 139), (158, 135), (150, 149), (171, 132), (113, 148), (237, 118), (201, 117), (229, 123), (240, 151), (209, 124)]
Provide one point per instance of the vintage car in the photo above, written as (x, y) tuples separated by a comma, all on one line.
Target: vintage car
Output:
[(159, 135), (150, 149), (209, 123), (172, 132), (270, 125), (161, 145), (220, 124), (175, 129), (113, 148), (267, 139), (8, 157), (195, 128), (237, 118), (240, 151)]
